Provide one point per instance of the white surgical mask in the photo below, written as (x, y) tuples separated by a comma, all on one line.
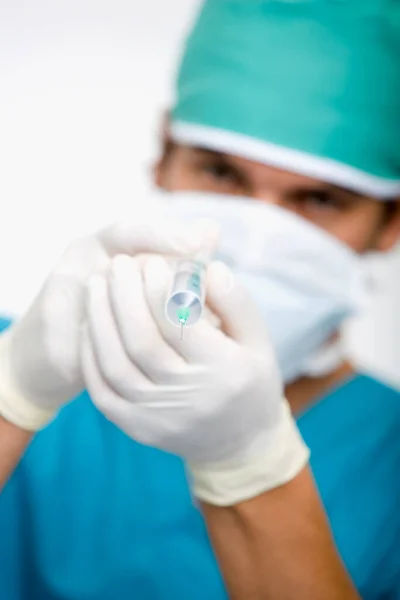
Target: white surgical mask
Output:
[(303, 280)]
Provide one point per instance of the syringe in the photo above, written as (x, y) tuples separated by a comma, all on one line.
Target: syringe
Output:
[(186, 301)]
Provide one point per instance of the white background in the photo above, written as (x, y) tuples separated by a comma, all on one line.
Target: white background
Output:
[(82, 86)]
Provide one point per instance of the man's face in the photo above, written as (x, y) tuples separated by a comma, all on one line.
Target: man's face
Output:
[(360, 222)]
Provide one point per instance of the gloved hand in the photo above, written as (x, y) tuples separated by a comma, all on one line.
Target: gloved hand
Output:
[(40, 354), (215, 398)]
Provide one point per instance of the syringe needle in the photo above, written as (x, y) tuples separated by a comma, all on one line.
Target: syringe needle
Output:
[(183, 314)]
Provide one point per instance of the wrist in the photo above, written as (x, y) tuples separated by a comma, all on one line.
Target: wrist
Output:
[(14, 406), (274, 459), (13, 441)]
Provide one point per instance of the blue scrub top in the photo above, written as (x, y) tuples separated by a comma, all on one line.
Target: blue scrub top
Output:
[(91, 515)]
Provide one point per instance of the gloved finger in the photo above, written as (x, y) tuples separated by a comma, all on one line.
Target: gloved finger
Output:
[(139, 333), (202, 343), (211, 317), (152, 235), (234, 306), (153, 416), (126, 415), (121, 375)]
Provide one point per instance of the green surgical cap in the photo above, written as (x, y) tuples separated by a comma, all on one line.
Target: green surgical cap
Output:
[(309, 86)]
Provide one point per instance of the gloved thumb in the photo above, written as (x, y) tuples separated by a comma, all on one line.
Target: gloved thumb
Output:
[(233, 305), (166, 236)]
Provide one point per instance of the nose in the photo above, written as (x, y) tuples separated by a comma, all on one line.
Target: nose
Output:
[(270, 197)]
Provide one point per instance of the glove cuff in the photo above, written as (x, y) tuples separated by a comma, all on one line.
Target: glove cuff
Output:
[(278, 458), (13, 406)]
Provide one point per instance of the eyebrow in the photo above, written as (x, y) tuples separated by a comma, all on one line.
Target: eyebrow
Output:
[(338, 189), (211, 153)]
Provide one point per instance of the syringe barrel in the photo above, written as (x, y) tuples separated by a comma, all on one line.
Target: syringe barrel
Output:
[(188, 292)]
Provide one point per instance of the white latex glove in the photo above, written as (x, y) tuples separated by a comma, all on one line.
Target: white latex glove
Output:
[(40, 354), (215, 398)]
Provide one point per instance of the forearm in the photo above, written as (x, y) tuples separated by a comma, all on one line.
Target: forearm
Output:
[(13, 441), (279, 546)]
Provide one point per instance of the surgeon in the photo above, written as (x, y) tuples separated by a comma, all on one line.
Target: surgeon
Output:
[(285, 131)]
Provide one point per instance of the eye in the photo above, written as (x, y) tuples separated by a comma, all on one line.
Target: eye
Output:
[(321, 200), (221, 172)]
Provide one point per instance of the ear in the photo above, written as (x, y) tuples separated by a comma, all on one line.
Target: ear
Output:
[(164, 143), (390, 233)]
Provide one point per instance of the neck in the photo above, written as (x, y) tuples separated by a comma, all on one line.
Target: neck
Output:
[(302, 393)]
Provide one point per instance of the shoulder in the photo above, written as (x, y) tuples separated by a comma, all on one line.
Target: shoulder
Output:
[(369, 398), (357, 403), (355, 420), (377, 387), (354, 434)]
